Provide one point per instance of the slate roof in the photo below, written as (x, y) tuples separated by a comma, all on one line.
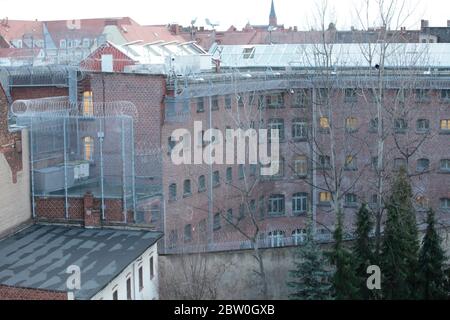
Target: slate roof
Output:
[(38, 256)]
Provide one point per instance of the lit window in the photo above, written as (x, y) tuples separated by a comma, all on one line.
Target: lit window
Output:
[(325, 197), (351, 163), (276, 204), (351, 124), (299, 203), (88, 105), (445, 124), (422, 201), (88, 143), (298, 236), (301, 166), (324, 123)]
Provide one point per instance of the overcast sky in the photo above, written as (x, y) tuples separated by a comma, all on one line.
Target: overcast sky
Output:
[(227, 12)]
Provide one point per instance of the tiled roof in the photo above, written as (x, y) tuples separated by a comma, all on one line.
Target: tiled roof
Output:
[(38, 257)]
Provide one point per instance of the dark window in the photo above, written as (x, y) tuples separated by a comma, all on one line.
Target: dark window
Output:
[(240, 100), (200, 105), (216, 221), (201, 184), (228, 102), (399, 163), (423, 165), (275, 100), (301, 99), (173, 192), (115, 295), (445, 203), (400, 125), (299, 129), (422, 95), (276, 204), (173, 239), (241, 211), (230, 215), (141, 279), (187, 233), (215, 103), (241, 171), (350, 96), (373, 125), (351, 199), (324, 162), (262, 207), (152, 268), (445, 165), (276, 124), (229, 174), (445, 94), (216, 179), (299, 203), (187, 188), (423, 125), (128, 289)]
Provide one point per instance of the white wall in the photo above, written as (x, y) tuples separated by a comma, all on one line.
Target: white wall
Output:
[(150, 290), (15, 200)]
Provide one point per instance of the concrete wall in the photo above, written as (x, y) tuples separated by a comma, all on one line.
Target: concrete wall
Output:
[(150, 289), (238, 280)]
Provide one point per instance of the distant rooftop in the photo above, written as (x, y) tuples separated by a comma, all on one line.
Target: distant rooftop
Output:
[(38, 257)]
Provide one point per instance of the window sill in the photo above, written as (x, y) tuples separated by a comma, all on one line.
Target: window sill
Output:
[(276, 215), (202, 191), (324, 204), (444, 172), (299, 214), (423, 131), (188, 195), (444, 132), (400, 131)]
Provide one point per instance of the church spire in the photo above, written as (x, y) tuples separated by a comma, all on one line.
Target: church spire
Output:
[(273, 16)]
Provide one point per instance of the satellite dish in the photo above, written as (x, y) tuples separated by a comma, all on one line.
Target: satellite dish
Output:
[(193, 21), (211, 24)]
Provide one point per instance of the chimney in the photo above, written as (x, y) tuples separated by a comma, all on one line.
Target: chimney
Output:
[(448, 23), (295, 28), (424, 24), (91, 215)]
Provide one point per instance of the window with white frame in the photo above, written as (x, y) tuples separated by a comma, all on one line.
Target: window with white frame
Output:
[(298, 236), (300, 203), (276, 238), (276, 204)]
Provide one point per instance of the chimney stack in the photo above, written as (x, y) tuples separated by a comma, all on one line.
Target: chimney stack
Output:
[(424, 24), (448, 23)]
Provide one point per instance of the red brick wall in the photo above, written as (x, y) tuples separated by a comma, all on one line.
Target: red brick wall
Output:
[(27, 93), (14, 293)]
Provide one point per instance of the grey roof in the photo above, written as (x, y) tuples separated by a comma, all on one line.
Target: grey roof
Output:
[(38, 256)]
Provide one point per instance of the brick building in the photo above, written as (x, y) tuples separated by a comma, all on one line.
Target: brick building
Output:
[(200, 200)]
